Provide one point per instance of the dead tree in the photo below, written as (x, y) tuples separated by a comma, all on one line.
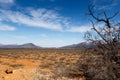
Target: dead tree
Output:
[(109, 33), (107, 40)]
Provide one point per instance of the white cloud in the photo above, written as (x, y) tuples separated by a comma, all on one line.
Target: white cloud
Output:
[(80, 29), (108, 4), (6, 4), (4, 27), (43, 18), (7, 1)]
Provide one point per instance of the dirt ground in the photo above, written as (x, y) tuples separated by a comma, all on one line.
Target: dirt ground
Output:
[(30, 66), (21, 69)]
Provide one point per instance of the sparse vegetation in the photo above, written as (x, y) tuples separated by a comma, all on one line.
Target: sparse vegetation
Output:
[(55, 64)]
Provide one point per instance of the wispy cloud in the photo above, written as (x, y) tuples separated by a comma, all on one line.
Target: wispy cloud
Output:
[(7, 1), (104, 4), (42, 18), (4, 27), (80, 29), (6, 4)]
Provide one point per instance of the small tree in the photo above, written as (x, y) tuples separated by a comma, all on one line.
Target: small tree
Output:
[(107, 41)]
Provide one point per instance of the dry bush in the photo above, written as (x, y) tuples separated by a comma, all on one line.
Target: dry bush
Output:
[(97, 67), (67, 68), (105, 65)]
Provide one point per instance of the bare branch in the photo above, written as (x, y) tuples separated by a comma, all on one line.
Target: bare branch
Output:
[(98, 32), (96, 18), (114, 15)]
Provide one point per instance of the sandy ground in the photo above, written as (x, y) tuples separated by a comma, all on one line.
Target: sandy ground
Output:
[(20, 69), (23, 69), (26, 64)]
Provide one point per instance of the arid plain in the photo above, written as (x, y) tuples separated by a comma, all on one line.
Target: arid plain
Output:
[(40, 64)]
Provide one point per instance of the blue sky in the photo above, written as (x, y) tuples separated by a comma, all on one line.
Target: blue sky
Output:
[(48, 23)]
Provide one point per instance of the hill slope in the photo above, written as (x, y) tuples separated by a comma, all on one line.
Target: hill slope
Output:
[(27, 45), (82, 45)]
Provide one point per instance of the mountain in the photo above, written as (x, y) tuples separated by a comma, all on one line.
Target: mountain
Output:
[(82, 45), (27, 45), (9, 46)]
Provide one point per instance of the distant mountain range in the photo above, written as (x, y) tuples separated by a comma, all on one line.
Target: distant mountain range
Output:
[(82, 45), (27, 45)]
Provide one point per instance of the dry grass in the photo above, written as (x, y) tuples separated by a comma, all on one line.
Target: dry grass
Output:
[(55, 64)]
